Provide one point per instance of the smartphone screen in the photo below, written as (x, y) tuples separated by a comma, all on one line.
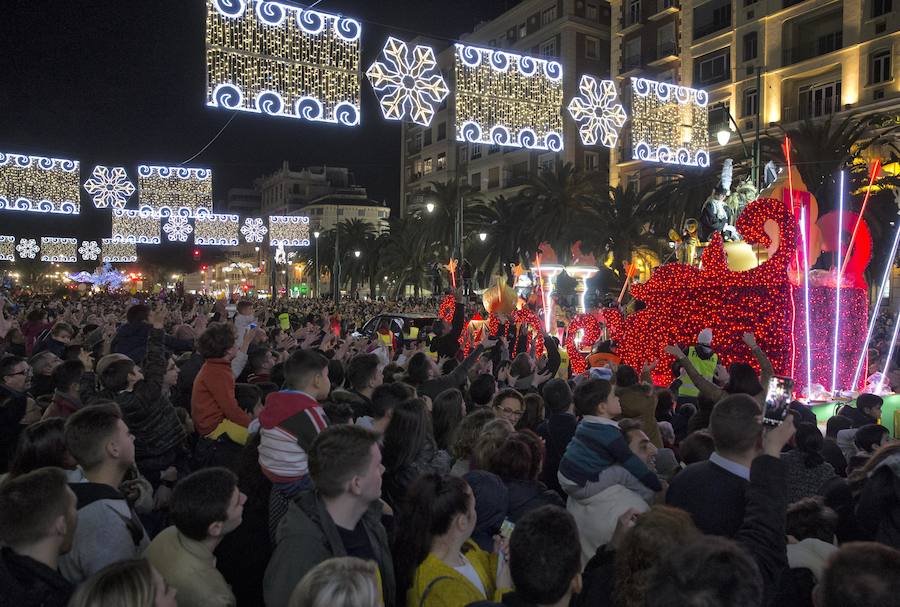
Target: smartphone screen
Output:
[(778, 397)]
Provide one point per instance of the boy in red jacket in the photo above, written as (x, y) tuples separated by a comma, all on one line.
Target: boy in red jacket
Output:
[(291, 420)]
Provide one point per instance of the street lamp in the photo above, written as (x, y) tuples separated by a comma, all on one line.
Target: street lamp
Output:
[(723, 136), (482, 236), (316, 236), (356, 253), (429, 207)]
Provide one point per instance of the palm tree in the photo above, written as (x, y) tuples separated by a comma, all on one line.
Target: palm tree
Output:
[(353, 235), (440, 224), (405, 253), (624, 227), (372, 259), (561, 206), (506, 223), (821, 149)]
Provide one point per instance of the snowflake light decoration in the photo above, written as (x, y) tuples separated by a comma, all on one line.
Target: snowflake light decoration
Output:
[(28, 248), (89, 250), (177, 228), (595, 110), (408, 84), (254, 230), (109, 187)]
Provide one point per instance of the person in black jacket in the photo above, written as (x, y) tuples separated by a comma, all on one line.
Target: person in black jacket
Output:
[(557, 430), (744, 572), (830, 449), (56, 342), (37, 523), (131, 338), (713, 491), (445, 342), (867, 410), (15, 378), (517, 462)]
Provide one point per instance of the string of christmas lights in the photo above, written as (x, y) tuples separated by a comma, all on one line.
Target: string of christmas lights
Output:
[(592, 329), (508, 99), (217, 229), (140, 227), (118, 251), (181, 191), (39, 184), (669, 123), (288, 231), (278, 59), (59, 250)]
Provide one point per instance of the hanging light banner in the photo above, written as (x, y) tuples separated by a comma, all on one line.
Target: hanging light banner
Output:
[(59, 250), (7, 248), (508, 99), (168, 191), (669, 123), (283, 60), (222, 230), (118, 251), (288, 231), (135, 226), (38, 184)]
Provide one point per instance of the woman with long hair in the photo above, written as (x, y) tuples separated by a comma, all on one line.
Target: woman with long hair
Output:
[(447, 412), (125, 584), (409, 449), (435, 561)]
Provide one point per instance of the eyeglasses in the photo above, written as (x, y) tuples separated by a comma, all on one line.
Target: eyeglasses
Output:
[(508, 411)]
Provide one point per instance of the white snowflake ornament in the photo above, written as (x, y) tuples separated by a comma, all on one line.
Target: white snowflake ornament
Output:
[(595, 110), (254, 230), (89, 250), (109, 187), (28, 248), (177, 228)]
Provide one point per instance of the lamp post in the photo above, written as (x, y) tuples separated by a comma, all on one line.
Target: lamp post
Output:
[(724, 135), (316, 236)]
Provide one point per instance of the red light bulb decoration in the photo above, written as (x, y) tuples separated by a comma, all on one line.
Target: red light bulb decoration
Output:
[(528, 317), (683, 300), (447, 308), (592, 331)]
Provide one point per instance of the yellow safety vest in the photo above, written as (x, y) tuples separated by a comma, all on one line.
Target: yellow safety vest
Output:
[(705, 367)]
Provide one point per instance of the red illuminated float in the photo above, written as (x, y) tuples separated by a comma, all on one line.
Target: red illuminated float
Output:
[(682, 300), (592, 330)]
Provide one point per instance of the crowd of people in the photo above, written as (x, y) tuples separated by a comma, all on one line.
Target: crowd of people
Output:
[(174, 451)]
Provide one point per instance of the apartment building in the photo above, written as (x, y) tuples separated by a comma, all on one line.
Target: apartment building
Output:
[(776, 61), (326, 194), (573, 32)]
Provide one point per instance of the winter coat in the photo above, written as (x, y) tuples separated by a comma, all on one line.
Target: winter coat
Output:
[(307, 535), (131, 340), (397, 480), (525, 496), (25, 582)]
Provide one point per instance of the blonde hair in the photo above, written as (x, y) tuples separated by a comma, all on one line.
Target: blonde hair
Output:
[(339, 582), (122, 584)]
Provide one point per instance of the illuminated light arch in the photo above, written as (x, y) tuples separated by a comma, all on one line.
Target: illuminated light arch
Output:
[(59, 250), (7, 248), (288, 231), (166, 190), (265, 57), (140, 227), (508, 99), (217, 230), (595, 110), (39, 184), (661, 116), (408, 83), (118, 251)]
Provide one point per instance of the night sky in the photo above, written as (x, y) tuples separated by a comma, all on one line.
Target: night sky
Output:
[(122, 82)]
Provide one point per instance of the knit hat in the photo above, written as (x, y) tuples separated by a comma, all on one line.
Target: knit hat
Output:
[(705, 337), (107, 360), (601, 373)]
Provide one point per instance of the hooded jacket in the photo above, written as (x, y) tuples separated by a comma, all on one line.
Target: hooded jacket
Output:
[(307, 535)]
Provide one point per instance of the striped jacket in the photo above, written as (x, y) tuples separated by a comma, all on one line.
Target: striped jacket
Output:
[(289, 423)]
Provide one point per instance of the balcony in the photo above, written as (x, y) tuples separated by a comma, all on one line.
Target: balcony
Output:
[(825, 44), (819, 111), (631, 20), (666, 51), (705, 29), (790, 3), (663, 8), (630, 63)]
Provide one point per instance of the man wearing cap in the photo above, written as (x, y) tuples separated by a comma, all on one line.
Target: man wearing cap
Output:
[(704, 360)]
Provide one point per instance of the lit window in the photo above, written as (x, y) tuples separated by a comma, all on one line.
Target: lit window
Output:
[(751, 103), (880, 67), (441, 161)]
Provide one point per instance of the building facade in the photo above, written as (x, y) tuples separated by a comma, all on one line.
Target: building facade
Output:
[(573, 32), (326, 194), (767, 61)]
